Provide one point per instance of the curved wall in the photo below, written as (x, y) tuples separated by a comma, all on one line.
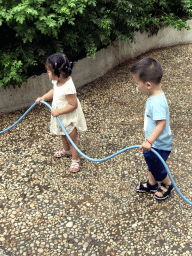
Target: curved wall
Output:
[(88, 69)]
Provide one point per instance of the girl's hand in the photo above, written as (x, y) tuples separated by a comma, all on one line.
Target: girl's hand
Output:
[(146, 146), (55, 112), (38, 100)]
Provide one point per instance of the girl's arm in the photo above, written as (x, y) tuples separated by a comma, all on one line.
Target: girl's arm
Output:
[(45, 97), (71, 106), (146, 145), (48, 95)]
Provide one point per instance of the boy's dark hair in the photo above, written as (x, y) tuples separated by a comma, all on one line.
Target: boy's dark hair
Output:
[(148, 70), (58, 63)]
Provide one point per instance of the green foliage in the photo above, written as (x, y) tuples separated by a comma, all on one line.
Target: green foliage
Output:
[(34, 29), (10, 68)]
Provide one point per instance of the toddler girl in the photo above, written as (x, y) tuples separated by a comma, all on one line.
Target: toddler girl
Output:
[(65, 105)]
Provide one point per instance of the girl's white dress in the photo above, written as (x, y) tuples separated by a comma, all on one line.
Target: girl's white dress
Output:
[(70, 120)]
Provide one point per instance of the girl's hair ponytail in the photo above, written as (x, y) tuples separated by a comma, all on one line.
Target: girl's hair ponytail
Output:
[(69, 68), (58, 63)]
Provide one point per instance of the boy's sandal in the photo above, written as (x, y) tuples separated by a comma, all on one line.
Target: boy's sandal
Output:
[(75, 166), (62, 152), (164, 193), (148, 188)]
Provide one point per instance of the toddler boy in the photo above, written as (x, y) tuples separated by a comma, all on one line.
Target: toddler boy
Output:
[(147, 74)]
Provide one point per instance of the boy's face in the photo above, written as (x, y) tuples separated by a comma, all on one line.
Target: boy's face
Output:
[(142, 87)]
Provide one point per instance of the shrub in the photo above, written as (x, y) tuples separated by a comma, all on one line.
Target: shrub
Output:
[(34, 29)]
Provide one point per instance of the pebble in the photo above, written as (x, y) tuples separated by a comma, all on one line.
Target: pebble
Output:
[(2, 239), (69, 224), (85, 245), (40, 250)]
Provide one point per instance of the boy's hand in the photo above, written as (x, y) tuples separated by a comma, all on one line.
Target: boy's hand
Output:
[(55, 112), (145, 146)]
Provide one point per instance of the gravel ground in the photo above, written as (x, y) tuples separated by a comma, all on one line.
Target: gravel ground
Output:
[(46, 210)]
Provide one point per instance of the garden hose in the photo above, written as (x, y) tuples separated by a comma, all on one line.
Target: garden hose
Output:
[(102, 159)]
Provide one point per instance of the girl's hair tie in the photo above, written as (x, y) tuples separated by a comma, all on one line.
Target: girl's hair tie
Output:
[(66, 67), (55, 64)]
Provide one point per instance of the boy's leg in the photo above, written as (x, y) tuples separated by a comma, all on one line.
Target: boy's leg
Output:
[(157, 171), (150, 186), (155, 165), (167, 182), (152, 180)]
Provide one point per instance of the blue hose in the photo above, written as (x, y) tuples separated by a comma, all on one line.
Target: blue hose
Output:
[(106, 158)]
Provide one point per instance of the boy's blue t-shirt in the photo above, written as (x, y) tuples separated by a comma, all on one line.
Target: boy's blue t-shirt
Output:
[(158, 109)]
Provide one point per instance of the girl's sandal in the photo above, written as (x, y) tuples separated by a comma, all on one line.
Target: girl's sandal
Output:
[(62, 152), (164, 193), (75, 166), (147, 188)]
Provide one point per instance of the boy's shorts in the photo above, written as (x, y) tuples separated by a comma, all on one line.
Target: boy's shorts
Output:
[(155, 165)]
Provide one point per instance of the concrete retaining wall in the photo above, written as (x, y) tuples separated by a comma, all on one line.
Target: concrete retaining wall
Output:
[(88, 69)]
